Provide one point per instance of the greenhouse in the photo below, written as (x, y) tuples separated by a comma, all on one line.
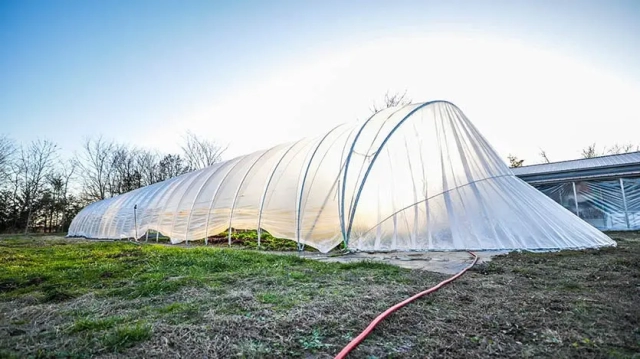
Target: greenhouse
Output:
[(603, 191), (415, 177)]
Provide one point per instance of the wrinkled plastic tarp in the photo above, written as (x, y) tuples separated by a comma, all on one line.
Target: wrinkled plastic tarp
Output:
[(417, 177)]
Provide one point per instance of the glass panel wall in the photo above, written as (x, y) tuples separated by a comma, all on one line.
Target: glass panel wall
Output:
[(632, 197), (603, 204)]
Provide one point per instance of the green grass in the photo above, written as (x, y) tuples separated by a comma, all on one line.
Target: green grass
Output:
[(126, 336), (241, 239), (155, 279), (97, 324), (74, 298), (249, 239), (61, 271)]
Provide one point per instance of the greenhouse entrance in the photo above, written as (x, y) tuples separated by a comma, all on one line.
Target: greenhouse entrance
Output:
[(603, 191)]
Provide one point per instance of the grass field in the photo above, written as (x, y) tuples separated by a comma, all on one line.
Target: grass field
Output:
[(71, 298)]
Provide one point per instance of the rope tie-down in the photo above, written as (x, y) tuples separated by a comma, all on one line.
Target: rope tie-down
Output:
[(357, 340)]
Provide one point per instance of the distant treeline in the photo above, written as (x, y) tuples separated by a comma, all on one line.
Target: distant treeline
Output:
[(41, 192)]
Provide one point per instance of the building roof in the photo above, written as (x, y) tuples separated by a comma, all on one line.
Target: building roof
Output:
[(626, 164)]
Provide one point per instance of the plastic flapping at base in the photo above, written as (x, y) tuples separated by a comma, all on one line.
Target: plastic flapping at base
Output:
[(415, 177)]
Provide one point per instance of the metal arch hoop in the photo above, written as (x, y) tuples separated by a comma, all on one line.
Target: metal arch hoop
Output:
[(344, 179), (165, 190), (85, 217), (171, 188), (144, 209), (186, 231), (150, 198), (90, 216), (266, 187), (304, 179), (235, 198), (339, 180), (121, 204), (76, 225), (189, 186), (132, 200), (99, 208), (345, 233), (114, 201), (215, 196), (375, 156)]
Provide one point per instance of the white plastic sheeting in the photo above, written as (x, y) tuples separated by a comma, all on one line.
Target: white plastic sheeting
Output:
[(416, 177), (606, 205)]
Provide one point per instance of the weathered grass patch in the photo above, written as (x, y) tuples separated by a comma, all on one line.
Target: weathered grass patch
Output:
[(126, 336), (62, 298), (97, 324)]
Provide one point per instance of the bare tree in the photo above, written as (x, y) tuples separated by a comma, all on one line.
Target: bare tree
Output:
[(514, 162), (393, 100), (34, 165), (8, 183), (125, 176), (543, 154), (590, 151), (200, 153), (109, 168), (38, 190), (58, 181), (7, 149), (147, 164), (171, 166), (96, 167), (625, 148)]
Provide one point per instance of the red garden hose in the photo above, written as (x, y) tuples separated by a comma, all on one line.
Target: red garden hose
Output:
[(357, 340)]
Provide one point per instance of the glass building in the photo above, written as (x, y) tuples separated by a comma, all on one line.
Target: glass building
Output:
[(603, 191)]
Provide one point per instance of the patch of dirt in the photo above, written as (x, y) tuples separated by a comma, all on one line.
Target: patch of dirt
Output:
[(441, 262), (7, 285)]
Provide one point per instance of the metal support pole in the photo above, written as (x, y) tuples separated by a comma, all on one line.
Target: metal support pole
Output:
[(235, 197), (624, 204), (146, 236), (575, 198), (135, 220), (347, 230), (215, 196), (195, 198), (301, 185)]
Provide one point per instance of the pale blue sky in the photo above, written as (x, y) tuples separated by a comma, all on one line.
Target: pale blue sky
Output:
[(135, 69)]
